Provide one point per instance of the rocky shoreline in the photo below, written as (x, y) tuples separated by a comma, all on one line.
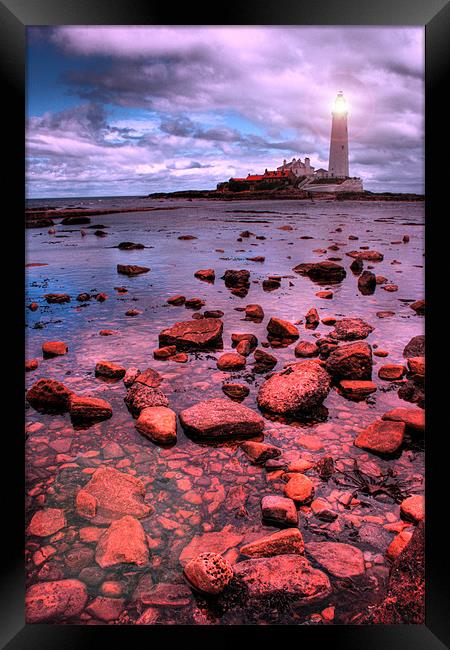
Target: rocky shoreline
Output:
[(272, 487)]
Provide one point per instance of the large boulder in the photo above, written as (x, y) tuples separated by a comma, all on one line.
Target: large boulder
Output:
[(202, 334), (367, 283), (49, 395), (283, 575), (300, 387), (55, 601), (158, 423), (351, 329), (415, 347), (350, 361), (220, 418), (414, 418), (110, 495), (341, 560), (282, 329), (382, 436), (322, 272), (123, 543)]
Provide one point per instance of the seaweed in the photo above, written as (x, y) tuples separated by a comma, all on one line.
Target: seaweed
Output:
[(386, 484)]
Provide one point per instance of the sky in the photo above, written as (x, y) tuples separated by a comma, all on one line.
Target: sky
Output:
[(134, 110)]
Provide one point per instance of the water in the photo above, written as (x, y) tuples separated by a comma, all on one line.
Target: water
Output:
[(197, 488)]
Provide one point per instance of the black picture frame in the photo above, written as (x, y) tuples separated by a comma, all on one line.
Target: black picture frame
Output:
[(15, 16)]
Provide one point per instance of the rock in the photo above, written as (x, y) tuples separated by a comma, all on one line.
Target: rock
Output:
[(351, 329), (415, 347), (369, 256), (341, 560), (186, 237), (322, 272), (158, 423), (89, 408), (109, 370), (54, 349), (306, 349), (324, 467), (357, 265), (148, 617), (57, 298), (416, 365), (244, 348), (264, 361), (325, 295), (219, 418), (375, 535), (132, 312), (283, 576), (236, 279), (300, 489), (129, 246), (149, 377), (131, 269), (414, 418), (106, 609), (271, 284), (31, 364), (367, 283), (209, 573), (382, 436), (236, 391), (55, 601), (322, 510), (194, 303), (259, 452), (205, 334), (357, 389), (280, 511), (254, 312), (139, 396), (283, 542), (74, 220), (350, 361), (418, 307), (165, 353), (112, 450), (413, 508), (216, 542), (390, 288), (130, 376), (47, 522), (39, 222), (207, 275), (49, 395), (176, 300), (84, 297), (231, 361), (312, 319), (391, 371), (110, 495), (413, 391), (398, 544), (33, 306), (123, 542), (213, 313), (237, 338), (300, 387), (282, 329)]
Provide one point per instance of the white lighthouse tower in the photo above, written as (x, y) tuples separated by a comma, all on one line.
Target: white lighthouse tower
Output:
[(338, 165)]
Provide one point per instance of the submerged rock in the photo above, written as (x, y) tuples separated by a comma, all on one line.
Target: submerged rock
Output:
[(204, 334), (283, 542), (382, 436), (220, 418), (123, 542), (57, 298), (369, 256), (47, 522), (300, 387), (341, 560), (259, 452), (236, 391), (280, 511), (89, 408), (129, 246), (209, 573), (55, 600)]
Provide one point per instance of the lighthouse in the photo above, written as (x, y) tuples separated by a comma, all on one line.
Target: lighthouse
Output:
[(338, 165)]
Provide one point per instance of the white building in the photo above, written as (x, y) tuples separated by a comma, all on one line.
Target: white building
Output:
[(338, 162), (297, 167)]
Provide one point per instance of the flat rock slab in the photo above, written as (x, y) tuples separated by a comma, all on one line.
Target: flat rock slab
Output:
[(202, 334), (351, 329), (279, 510), (341, 560), (215, 542), (221, 418), (131, 269), (47, 522), (300, 387), (369, 256), (414, 418), (283, 542), (382, 436), (55, 601), (110, 495), (83, 409), (287, 575), (158, 423), (123, 542)]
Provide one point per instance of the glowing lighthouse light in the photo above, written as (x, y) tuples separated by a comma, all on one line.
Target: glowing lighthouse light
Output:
[(340, 104), (338, 161)]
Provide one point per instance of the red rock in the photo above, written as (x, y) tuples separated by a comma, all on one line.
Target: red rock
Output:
[(341, 560), (254, 312), (109, 370), (391, 371), (215, 542), (357, 389), (326, 295), (158, 423), (165, 352), (322, 510), (300, 489), (123, 542), (244, 348), (380, 353), (213, 313), (418, 307), (149, 377), (129, 246), (306, 349), (106, 609), (259, 452), (300, 387), (176, 300), (194, 303), (282, 329), (416, 365), (186, 237), (390, 287), (90, 534), (101, 297), (279, 510), (33, 306), (328, 320), (322, 272), (57, 297), (181, 357), (89, 408), (112, 450), (209, 573), (107, 332), (312, 319), (283, 542), (202, 334), (54, 349), (167, 595), (238, 337), (231, 361), (283, 575), (31, 364), (415, 347), (49, 395), (131, 269), (350, 361), (148, 617), (264, 360), (221, 418), (47, 522), (235, 391), (367, 283), (351, 329), (208, 275), (414, 418), (413, 508), (130, 376), (370, 256), (398, 544), (55, 601), (236, 279), (382, 436), (109, 495), (139, 396)]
